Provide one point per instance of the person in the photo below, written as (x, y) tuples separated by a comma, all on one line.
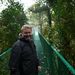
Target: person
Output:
[(23, 58)]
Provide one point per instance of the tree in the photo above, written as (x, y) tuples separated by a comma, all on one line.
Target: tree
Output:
[(11, 19), (64, 18), (61, 33), (41, 8)]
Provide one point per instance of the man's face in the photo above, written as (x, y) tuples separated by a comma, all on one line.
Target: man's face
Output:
[(27, 33)]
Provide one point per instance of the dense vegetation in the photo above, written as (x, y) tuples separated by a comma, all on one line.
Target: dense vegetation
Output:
[(56, 19), (11, 19), (57, 23)]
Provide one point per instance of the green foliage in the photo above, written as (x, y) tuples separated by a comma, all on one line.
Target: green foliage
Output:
[(64, 18), (14, 13), (62, 32), (11, 19)]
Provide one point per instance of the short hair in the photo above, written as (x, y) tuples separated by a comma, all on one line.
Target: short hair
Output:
[(26, 26)]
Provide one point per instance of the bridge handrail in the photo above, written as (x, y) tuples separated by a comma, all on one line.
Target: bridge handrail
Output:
[(67, 64), (5, 52)]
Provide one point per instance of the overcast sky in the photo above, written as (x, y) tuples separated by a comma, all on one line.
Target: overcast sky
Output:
[(26, 4)]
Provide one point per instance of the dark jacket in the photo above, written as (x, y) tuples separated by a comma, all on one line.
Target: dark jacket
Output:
[(23, 59)]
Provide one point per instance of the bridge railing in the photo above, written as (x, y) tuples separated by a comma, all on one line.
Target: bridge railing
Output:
[(4, 60), (54, 61)]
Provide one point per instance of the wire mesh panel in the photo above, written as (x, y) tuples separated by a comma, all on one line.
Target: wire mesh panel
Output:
[(52, 61), (56, 63), (4, 60)]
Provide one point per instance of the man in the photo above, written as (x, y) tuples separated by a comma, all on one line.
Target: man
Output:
[(23, 59)]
